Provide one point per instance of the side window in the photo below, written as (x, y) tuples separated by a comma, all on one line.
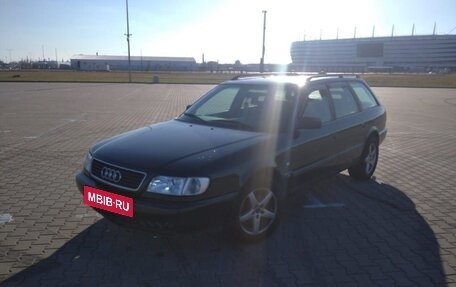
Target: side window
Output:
[(365, 97), (286, 93), (253, 99), (344, 103), (317, 107)]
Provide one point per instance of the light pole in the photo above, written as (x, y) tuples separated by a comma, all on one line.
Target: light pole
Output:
[(128, 41), (264, 47)]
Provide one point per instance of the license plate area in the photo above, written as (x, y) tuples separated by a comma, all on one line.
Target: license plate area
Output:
[(108, 201)]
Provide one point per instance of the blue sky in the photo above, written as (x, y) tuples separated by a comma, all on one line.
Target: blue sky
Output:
[(224, 30)]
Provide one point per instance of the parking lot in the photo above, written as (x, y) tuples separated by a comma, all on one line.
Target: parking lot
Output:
[(398, 229)]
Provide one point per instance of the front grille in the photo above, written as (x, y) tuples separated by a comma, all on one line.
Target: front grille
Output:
[(130, 179)]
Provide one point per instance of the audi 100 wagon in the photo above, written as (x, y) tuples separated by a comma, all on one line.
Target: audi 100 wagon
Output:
[(231, 157)]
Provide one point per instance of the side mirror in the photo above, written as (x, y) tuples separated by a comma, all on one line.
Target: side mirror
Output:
[(308, 123), (188, 107)]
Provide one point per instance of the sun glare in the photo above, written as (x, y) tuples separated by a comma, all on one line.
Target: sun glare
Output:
[(233, 31)]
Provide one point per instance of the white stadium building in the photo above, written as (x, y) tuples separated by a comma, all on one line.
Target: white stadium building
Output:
[(430, 53)]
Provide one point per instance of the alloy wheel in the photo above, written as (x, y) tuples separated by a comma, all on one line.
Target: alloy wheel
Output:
[(258, 211), (371, 158)]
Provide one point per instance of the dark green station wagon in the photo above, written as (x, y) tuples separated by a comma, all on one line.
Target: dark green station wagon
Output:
[(232, 157)]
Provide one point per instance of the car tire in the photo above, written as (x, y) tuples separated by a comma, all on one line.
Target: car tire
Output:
[(257, 213), (368, 161)]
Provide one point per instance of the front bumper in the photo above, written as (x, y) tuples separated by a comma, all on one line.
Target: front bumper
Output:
[(168, 216)]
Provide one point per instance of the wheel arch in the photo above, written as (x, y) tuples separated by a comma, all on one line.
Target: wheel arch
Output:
[(373, 133), (264, 176)]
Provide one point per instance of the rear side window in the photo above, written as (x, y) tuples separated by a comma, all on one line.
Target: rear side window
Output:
[(365, 97), (344, 103)]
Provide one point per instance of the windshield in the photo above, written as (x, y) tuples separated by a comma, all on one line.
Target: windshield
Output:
[(243, 106)]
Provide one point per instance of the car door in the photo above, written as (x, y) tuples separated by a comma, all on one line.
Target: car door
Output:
[(311, 148), (350, 134)]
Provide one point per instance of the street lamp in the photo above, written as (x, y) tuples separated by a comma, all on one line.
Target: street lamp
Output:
[(264, 47), (128, 41)]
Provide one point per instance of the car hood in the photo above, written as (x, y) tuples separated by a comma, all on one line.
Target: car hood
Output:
[(152, 147)]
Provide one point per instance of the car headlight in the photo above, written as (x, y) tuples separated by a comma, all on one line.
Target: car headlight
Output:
[(88, 162), (178, 186)]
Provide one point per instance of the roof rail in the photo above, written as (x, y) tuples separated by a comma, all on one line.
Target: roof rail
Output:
[(253, 75), (333, 76)]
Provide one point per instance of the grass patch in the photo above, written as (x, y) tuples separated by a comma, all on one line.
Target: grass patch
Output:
[(411, 80), (112, 77), (376, 80)]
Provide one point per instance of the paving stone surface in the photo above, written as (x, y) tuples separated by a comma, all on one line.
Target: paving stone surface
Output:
[(396, 230)]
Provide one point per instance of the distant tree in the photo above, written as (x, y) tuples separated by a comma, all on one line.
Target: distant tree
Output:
[(238, 66), (24, 64), (212, 66)]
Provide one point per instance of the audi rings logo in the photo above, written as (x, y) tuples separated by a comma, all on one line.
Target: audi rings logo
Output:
[(110, 174)]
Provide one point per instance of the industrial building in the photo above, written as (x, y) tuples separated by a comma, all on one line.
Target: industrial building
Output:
[(138, 63), (430, 53)]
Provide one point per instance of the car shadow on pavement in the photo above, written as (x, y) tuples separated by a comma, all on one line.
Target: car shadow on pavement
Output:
[(337, 232)]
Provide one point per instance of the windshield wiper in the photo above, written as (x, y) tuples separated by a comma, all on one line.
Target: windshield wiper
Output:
[(233, 123), (194, 117)]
